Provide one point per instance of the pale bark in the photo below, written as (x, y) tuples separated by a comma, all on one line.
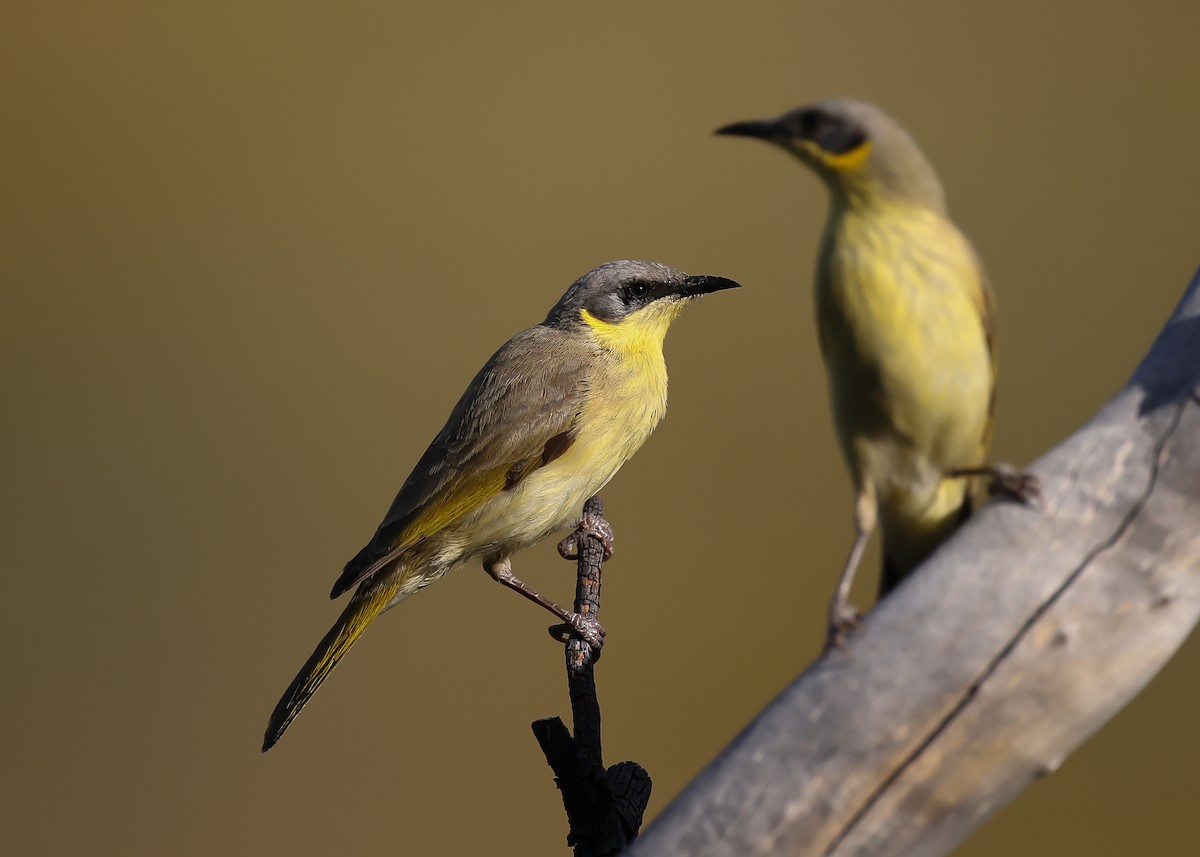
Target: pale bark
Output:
[(1012, 645)]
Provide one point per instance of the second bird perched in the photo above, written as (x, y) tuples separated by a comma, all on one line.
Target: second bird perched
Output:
[(546, 423), (906, 321)]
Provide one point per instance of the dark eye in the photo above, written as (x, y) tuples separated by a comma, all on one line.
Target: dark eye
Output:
[(838, 138), (808, 122), (634, 291)]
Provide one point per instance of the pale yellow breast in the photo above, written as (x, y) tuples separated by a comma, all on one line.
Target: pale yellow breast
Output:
[(626, 398), (908, 359)]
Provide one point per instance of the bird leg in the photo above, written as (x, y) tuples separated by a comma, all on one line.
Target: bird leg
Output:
[(1004, 480), (589, 525), (843, 616), (587, 628)]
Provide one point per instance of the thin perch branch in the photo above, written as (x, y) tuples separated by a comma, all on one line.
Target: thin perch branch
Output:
[(604, 807), (1012, 645)]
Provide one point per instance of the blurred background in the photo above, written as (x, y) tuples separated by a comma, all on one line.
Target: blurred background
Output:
[(252, 254)]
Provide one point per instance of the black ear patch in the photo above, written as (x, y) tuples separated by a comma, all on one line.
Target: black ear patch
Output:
[(832, 134)]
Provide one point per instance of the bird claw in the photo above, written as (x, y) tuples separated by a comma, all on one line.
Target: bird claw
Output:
[(589, 525), (1005, 481), (1019, 485), (580, 627), (568, 548), (843, 619)]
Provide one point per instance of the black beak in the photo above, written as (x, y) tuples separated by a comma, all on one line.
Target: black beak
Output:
[(702, 285), (762, 129)]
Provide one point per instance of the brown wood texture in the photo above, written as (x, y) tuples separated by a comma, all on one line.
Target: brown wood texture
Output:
[(604, 807)]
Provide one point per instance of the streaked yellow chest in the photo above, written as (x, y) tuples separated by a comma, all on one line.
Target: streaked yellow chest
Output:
[(898, 302), (898, 305)]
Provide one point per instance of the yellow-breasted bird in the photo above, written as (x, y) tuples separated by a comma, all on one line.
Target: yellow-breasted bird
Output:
[(546, 423), (906, 322)]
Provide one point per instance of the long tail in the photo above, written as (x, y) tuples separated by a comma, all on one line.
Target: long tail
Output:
[(372, 598)]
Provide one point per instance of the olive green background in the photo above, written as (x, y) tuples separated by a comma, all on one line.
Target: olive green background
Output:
[(253, 252)]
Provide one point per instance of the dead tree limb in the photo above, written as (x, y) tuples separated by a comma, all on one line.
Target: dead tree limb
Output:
[(604, 807), (1013, 644)]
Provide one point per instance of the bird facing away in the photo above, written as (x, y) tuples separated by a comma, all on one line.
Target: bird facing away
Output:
[(906, 322), (546, 423)]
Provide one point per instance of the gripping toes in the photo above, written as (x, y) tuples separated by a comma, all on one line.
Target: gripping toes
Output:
[(1004, 480), (1015, 484), (578, 625), (589, 525), (843, 619)]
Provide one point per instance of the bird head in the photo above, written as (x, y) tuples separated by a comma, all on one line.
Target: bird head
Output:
[(631, 304), (858, 150)]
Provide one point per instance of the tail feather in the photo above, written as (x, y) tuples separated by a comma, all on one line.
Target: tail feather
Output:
[(368, 602), (889, 577), (899, 562)]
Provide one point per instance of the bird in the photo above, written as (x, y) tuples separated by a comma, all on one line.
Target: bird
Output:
[(544, 425), (906, 321)]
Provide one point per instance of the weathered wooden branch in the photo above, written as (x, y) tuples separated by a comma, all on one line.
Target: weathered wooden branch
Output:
[(1011, 646), (604, 807)]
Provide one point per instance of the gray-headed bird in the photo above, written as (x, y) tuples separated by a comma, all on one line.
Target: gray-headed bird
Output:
[(906, 322), (546, 423)]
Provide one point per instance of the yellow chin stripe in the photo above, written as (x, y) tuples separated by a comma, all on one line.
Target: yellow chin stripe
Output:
[(845, 162), (643, 331)]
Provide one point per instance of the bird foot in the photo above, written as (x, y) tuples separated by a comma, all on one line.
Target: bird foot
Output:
[(843, 618), (589, 525), (1006, 481), (1014, 484), (583, 627)]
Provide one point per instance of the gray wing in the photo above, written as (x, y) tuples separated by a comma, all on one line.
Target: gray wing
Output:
[(518, 414)]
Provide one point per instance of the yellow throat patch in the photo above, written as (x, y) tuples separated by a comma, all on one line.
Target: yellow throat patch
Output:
[(638, 334)]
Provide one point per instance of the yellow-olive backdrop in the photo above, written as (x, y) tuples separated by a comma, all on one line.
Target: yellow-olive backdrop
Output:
[(253, 252)]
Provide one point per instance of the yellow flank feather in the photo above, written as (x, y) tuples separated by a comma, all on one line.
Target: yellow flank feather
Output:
[(474, 489)]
